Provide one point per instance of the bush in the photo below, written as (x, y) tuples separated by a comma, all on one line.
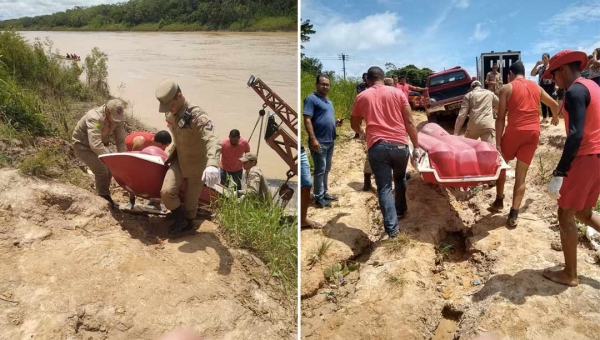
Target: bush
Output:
[(258, 227), (47, 162), (96, 71)]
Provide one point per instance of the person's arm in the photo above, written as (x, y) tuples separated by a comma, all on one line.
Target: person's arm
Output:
[(577, 99), (120, 137), (204, 125), (551, 103), (534, 71), (416, 88), (503, 97), (356, 117), (462, 115), (94, 132), (594, 59), (411, 128), (313, 143), (487, 79), (495, 102)]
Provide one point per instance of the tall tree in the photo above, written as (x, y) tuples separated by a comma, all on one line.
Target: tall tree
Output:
[(305, 32)]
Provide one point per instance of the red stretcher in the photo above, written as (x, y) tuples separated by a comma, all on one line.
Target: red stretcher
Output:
[(455, 161), (143, 172)]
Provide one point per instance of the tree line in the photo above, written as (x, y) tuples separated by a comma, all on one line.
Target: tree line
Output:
[(237, 15)]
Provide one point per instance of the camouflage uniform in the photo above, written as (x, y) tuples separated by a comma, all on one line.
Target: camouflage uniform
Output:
[(91, 138), (256, 185), (479, 106), (195, 146), (497, 78)]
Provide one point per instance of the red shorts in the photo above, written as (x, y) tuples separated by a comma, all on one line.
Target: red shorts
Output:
[(581, 187), (520, 144)]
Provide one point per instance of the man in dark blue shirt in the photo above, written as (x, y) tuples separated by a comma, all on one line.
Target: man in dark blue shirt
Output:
[(320, 123)]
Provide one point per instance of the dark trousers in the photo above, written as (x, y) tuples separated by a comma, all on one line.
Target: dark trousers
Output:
[(388, 162), (546, 112), (235, 176)]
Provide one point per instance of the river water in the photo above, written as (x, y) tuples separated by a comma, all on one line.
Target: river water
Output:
[(212, 70)]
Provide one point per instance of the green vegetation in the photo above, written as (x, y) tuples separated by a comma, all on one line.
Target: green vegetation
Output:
[(319, 253), (167, 15), (443, 253), (258, 227), (414, 75), (337, 272), (341, 93)]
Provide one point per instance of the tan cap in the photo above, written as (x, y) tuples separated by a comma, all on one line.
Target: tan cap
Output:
[(117, 109), (475, 84), (249, 156), (165, 93)]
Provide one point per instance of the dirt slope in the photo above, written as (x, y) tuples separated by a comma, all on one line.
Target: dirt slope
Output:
[(490, 281), (71, 269)]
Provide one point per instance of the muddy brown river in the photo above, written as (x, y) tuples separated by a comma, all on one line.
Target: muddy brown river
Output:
[(212, 70)]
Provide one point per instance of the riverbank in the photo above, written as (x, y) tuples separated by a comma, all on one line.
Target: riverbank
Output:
[(62, 249), (270, 24)]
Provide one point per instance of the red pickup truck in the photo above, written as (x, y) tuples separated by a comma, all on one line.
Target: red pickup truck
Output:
[(445, 92)]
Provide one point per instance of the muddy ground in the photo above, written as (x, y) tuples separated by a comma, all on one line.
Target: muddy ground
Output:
[(72, 269), (457, 272)]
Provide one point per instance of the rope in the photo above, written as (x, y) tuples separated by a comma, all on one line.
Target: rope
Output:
[(260, 119)]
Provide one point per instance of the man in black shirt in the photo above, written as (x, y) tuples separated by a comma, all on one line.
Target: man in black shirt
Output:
[(576, 179)]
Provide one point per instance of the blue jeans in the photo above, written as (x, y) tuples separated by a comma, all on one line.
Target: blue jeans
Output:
[(236, 176), (322, 162), (389, 160), (305, 178)]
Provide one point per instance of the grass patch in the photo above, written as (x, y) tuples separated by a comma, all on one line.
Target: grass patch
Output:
[(319, 253), (47, 162), (398, 244), (394, 280), (258, 227), (443, 251)]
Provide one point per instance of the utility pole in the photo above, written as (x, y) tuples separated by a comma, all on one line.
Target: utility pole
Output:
[(344, 57)]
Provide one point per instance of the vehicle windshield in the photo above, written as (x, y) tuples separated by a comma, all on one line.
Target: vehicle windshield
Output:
[(447, 78)]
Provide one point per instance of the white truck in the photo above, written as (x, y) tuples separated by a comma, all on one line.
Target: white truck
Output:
[(504, 60)]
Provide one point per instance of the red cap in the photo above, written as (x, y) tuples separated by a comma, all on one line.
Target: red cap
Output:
[(565, 57)]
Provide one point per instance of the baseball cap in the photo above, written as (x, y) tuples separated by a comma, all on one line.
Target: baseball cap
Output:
[(249, 156), (165, 93), (117, 109), (475, 83)]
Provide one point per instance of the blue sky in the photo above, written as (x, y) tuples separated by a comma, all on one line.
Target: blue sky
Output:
[(445, 33)]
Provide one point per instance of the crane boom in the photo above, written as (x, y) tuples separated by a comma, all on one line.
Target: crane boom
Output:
[(275, 103), (278, 139)]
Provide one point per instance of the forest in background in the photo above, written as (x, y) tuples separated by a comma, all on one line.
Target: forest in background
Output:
[(169, 15)]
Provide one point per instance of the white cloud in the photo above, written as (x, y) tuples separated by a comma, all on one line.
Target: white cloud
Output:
[(10, 9), (374, 31), (546, 46), (589, 46), (461, 3), (481, 32), (577, 12)]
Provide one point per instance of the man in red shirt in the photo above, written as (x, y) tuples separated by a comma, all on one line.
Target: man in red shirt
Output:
[(389, 124), (576, 180), (137, 141), (521, 98), (232, 149), (402, 85)]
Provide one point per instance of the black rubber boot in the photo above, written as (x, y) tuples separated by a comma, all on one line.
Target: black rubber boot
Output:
[(513, 215), (498, 204), (181, 223), (367, 185), (110, 200)]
